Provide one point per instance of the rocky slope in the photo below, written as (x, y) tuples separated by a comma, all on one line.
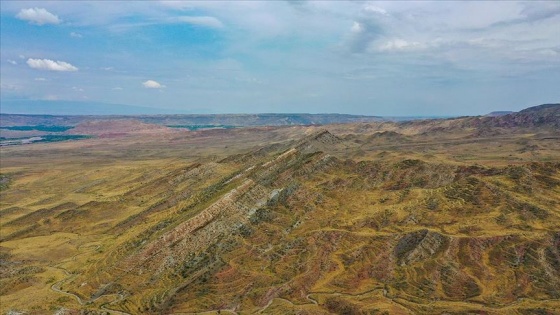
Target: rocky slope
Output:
[(304, 220), (546, 115)]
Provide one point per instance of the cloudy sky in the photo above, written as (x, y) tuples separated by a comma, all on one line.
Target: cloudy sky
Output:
[(377, 58)]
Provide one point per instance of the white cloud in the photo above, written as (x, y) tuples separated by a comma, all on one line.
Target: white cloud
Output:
[(357, 27), (51, 97), (38, 16), (21, 57), (75, 35), (402, 45), (373, 9), (117, 88), (205, 21), (40, 79), (12, 62), (151, 84), (321, 46), (362, 34), (77, 89), (548, 52), (47, 64), (10, 87)]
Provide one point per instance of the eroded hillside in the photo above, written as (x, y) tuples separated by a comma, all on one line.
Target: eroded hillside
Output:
[(343, 219)]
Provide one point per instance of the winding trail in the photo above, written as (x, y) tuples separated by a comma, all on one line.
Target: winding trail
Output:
[(401, 301), (55, 289), (56, 286), (313, 301), (210, 312)]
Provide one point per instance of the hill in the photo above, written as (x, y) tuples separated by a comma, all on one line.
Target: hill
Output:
[(546, 115), (422, 217), (499, 113), (538, 117), (117, 127)]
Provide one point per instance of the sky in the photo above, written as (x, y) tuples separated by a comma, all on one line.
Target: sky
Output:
[(398, 58)]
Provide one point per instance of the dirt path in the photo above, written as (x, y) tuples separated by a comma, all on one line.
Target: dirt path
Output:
[(313, 301), (55, 289), (56, 286)]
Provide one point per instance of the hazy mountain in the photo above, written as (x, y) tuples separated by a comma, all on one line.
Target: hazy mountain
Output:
[(41, 107), (536, 116), (193, 119), (499, 113)]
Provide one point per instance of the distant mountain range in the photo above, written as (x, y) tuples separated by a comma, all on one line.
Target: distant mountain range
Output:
[(546, 115), (190, 120), (41, 107), (499, 113)]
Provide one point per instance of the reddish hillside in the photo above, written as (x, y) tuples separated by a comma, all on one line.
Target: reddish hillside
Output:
[(118, 127), (547, 115)]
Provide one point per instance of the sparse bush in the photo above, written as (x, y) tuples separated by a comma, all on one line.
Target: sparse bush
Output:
[(342, 307), (403, 194), (386, 217), (469, 229), (432, 203), (419, 181), (193, 263), (261, 215), (245, 230), (63, 299), (408, 163), (468, 190), (502, 219), (408, 242), (4, 181), (516, 172)]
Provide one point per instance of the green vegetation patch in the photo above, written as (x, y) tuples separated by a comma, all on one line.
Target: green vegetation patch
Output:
[(5, 180), (54, 138)]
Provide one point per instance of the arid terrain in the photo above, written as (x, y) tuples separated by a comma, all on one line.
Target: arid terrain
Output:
[(455, 216)]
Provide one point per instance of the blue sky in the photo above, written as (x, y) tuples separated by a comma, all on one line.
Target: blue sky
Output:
[(398, 58)]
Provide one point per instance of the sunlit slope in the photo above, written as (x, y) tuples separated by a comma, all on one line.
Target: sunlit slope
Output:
[(354, 236), (310, 222)]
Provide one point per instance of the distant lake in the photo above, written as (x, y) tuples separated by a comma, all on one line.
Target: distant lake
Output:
[(44, 128)]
